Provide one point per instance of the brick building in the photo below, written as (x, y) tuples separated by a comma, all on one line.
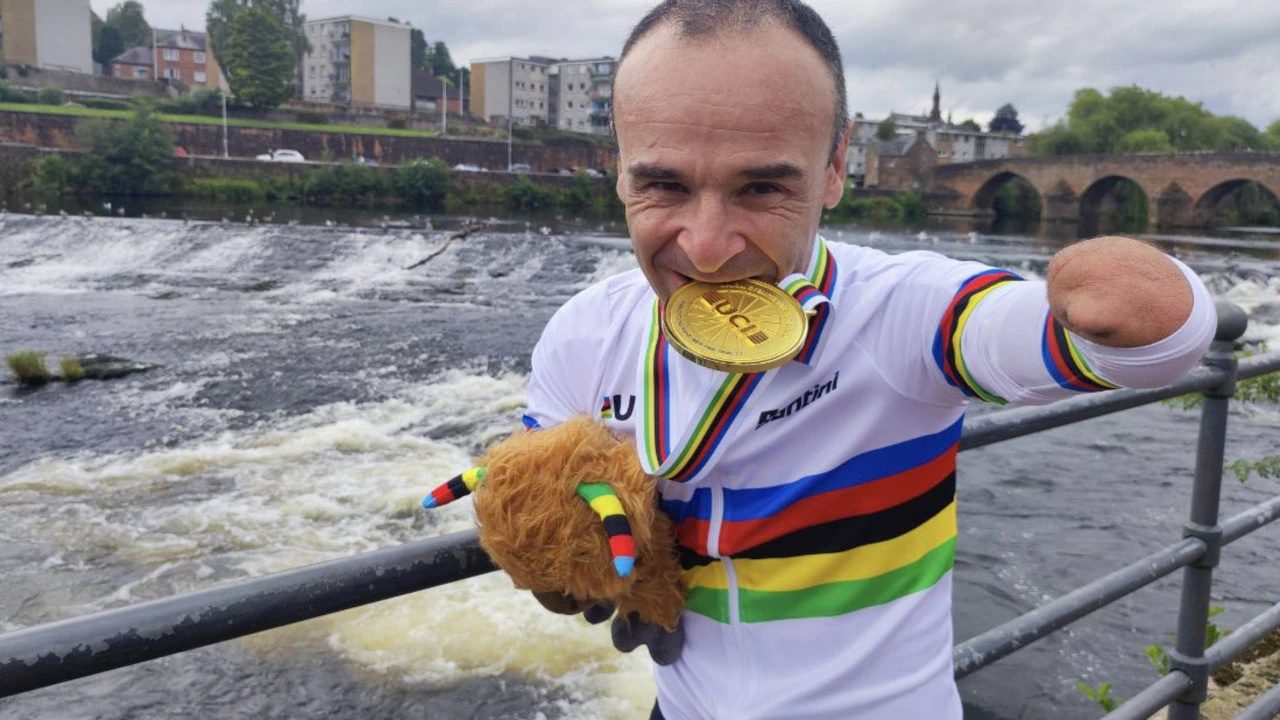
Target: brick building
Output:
[(903, 164), (181, 55)]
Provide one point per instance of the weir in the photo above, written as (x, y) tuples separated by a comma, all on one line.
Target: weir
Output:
[(58, 652)]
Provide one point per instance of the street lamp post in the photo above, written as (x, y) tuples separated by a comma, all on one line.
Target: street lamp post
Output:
[(511, 84), (444, 107), (225, 153)]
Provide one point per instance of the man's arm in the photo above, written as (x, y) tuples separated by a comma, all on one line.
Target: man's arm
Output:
[(1118, 292)]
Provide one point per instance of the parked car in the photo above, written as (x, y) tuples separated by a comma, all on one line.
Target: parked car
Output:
[(521, 168), (291, 156), (468, 167)]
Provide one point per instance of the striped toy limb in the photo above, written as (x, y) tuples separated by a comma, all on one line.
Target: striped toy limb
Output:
[(606, 504), (460, 486)]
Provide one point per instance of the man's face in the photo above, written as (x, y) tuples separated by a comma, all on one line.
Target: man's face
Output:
[(724, 154)]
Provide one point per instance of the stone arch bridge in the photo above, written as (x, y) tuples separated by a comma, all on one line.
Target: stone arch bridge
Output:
[(1181, 189)]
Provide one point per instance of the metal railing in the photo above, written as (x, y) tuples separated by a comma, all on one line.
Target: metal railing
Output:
[(57, 652)]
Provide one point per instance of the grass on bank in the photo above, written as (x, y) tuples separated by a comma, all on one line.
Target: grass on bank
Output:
[(72, 370), (77, 111), (28, 368)]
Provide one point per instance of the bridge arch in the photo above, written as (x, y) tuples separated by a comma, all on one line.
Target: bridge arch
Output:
[(1103, 205), (984, 200), (1204, 210)]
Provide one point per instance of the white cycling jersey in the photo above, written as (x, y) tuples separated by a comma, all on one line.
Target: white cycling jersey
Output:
[(815, 503)]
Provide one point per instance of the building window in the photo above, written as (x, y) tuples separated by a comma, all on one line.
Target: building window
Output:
[(171, 54), (171, 73), (139, 72), (199, 58), (201, 77)]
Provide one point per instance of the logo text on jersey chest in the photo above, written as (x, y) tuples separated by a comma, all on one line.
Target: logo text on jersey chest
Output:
[(799, 403)]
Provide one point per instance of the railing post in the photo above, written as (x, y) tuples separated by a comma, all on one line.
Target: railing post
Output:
[(1197, 578)]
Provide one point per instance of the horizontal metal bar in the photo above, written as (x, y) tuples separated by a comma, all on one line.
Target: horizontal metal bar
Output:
[(1265, 707), (1018, 422), (1155, 696), (980, 651), (49, 654), (1230, 647), (1254, 518), (1258, 365)]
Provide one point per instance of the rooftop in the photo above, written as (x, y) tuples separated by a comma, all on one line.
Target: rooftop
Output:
[(135, 56), (183, 39), (357, 18)]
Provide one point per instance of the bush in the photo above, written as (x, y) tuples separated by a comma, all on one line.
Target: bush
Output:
[(50, 95), (913, 206), (8, 93), (72, 370), (106, 104), (345, 185), (311, 117), (130, 158), (52, 175), (422, 183), (529, 196), (236, 190), (28, 368)]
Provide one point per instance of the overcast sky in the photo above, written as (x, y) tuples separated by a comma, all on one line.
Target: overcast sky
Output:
[(985, 53)]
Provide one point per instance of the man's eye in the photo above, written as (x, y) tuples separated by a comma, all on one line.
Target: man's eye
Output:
[(666, 187), (761, 188)]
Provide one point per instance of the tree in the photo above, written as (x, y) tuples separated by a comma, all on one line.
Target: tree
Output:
[(1273, 135), (259, 58), (1146, 140), (1006, 120), (887, 129), (107, 44), (441, 62), (128, 20), (419, 55), (221, 12), (971, 124), (129, 158)]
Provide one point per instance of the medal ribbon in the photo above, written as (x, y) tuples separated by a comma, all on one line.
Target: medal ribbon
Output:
[(702, 439)]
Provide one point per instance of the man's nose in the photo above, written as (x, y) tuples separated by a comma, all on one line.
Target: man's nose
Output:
[(708, 239)]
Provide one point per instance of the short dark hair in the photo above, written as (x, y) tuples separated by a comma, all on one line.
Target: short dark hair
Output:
[(700, 18)]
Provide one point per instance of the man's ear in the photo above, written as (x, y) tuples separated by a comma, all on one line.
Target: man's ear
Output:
[(837, 169)]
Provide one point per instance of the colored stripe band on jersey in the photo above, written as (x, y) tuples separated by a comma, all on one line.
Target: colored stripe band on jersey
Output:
[(814, 294), (1065, 363), (458, 487), (879, 526), (606, 408), (947, 343), (605, 503)]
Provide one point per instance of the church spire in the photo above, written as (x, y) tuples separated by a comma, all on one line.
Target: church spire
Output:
[(935, 115)]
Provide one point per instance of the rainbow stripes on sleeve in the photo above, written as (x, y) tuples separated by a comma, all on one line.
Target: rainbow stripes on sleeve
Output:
[(622, 544), (1065, 363), (460, 486), (947, 346)]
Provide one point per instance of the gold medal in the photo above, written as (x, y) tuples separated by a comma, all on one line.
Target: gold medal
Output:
[(743, 326)]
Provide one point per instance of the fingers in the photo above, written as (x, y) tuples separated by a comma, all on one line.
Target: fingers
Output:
[(598, 612), (561, 603), (631, 632)]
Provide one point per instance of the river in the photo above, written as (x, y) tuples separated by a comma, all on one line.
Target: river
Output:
[(311, 389)]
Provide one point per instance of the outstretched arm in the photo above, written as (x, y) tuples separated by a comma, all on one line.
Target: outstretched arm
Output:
[(1118, 292)]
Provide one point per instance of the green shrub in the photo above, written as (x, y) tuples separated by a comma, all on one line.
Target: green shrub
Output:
[(52, 175), (311, 117), (581, 195), (397, 122), (72, 370), (50, 95), (28, 368), (129, 158), (422, 183), (529, 196), (236, 190), (106, 104), (8, 93), (878, 209), (913, 205), (345, 185), (282, 189)]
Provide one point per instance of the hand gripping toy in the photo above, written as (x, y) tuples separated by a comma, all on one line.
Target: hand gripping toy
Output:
[(569, 510)]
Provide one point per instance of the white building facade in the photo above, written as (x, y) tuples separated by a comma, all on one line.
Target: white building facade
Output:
[(357, 61)]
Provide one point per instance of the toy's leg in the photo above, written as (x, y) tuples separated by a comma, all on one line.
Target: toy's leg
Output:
[(631, 632)]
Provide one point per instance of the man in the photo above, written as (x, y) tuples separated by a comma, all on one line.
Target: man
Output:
[(818, 526)]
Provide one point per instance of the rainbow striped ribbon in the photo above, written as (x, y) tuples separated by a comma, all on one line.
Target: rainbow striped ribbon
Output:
[(703, 439)]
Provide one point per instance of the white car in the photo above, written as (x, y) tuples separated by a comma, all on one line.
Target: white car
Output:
[(290, 156), (468, 167)]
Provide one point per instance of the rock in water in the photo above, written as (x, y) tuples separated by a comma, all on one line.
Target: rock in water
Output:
[(109, 367)]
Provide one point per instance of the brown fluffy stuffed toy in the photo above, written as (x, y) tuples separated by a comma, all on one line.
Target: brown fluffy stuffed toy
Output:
[(554, 509)]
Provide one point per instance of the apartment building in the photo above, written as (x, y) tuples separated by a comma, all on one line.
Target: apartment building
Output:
[(53, 34), (581, 95), (357, 61), (511, 87)]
